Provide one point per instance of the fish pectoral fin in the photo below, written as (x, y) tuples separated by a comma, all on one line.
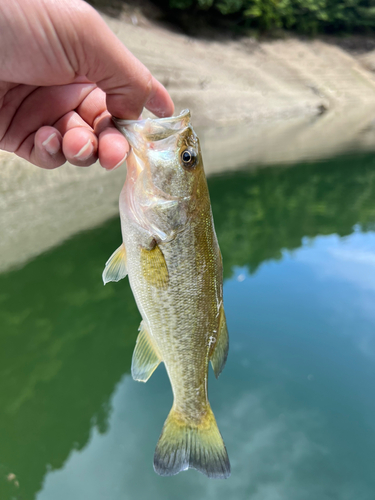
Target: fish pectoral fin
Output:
[(183, 445), (220, 353), (154, 268), (115, 268), (146, 356)]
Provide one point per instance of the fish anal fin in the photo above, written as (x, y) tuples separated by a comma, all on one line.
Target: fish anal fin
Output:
[(154, 267), (221, 347), (183, 445), (146, 357), (115, 268)]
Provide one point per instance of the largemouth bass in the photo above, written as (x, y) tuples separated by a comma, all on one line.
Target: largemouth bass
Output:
[(171, 255)]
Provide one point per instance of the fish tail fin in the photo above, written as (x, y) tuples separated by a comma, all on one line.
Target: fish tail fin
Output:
[(183, 445)]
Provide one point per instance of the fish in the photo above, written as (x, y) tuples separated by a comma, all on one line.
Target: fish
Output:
[(171, 255)]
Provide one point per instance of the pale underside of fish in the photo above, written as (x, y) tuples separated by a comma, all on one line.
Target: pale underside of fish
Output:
[(171, 255)]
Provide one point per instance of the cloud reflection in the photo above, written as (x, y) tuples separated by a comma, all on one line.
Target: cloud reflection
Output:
[(276, 454), (351, 262), (351, 259)]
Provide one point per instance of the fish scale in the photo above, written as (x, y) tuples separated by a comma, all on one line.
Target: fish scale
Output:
[(178, 334)]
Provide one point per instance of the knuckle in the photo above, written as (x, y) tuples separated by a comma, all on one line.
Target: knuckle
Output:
[(147, 84)]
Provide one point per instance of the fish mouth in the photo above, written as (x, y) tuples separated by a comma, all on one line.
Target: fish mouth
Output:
[(168, 120), (152, 129)]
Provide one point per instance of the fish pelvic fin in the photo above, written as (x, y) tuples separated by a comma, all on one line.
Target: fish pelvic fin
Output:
[(183, 445), (221, 348), (115, 268), (146, 356)]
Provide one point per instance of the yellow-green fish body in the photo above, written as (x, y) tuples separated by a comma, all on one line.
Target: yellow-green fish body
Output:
[(171, 254)]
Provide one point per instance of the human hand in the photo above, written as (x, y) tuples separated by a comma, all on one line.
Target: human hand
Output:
[(63, 73)]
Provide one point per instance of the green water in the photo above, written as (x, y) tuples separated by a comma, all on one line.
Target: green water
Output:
[(295, 403)]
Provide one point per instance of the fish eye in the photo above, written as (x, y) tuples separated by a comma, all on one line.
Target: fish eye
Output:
[(189, 158)]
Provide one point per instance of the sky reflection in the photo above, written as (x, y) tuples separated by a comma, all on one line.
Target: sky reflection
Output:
[(295, 402), (299, 424)]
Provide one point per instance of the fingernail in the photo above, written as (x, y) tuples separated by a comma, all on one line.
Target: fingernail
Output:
[(52, 144), (85, 152), (119, 163)]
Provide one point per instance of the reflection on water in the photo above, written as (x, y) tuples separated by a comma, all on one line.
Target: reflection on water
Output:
[(295, 401), (258, 215), (65, 342)]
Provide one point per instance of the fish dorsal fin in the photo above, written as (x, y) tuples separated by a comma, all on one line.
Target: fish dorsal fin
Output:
[(115, 268), (154, 267), (146, 357), (220, 353)]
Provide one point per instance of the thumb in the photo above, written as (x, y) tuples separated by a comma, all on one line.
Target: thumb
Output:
[(104, 60)]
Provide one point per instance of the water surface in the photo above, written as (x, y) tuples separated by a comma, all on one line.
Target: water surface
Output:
[(295, 402)]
